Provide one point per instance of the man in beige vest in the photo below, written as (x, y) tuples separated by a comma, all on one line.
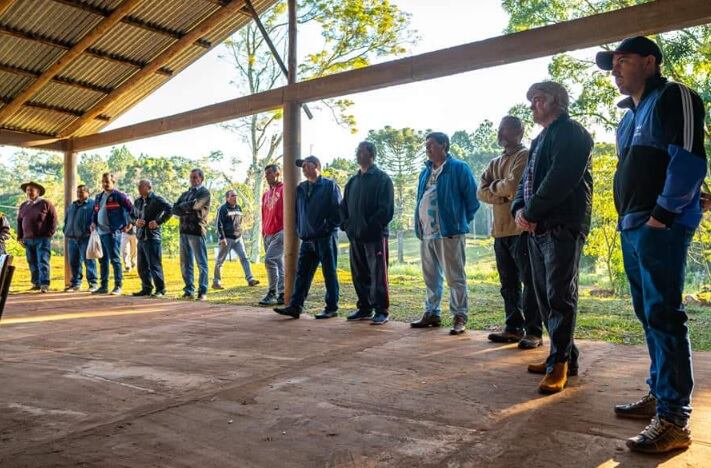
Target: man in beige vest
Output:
[(498, 187)]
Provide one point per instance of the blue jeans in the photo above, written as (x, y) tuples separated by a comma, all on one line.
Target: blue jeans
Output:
[(655, 263), (111, 245), (76, 249), (150, 265), (555, 267), (313, 252), (193, 247), (37, 253), (232, 245)]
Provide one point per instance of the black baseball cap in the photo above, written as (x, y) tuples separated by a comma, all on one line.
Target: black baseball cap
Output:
[(639, 45), (309, 159)]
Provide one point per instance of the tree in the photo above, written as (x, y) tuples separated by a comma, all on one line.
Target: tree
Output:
[(400, 153), (340, 170), (353, 32)]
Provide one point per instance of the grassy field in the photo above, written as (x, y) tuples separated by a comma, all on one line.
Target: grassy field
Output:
[(608, 319)]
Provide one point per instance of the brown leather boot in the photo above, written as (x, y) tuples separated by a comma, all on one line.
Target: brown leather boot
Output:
[(540, 368), (556, 380)]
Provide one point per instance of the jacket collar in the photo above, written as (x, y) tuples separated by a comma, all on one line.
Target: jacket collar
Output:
[(516, 150), (652, 83), (371, 170), (428, 163)]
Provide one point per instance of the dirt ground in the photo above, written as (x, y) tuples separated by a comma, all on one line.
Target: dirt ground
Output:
[(124, 382)]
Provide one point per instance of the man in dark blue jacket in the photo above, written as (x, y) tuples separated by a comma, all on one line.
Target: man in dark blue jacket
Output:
[(317, 220), (446, 204), (553, 204), (229, 231), (149, 212), (662, 163), (111, 212), (77, 228)]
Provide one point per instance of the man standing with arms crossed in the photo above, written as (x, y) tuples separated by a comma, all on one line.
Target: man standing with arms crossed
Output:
[(498, 187), (273, 235), (366, 210), (662, 163)]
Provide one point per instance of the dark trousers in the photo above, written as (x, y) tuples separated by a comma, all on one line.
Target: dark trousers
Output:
[(655, 263), (514, 268), (111, 245), (324, 251), (555, 264), (369, 270), (76, 250), (150, 265)]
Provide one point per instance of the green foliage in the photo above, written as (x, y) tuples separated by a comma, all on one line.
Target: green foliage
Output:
[(340, 170)]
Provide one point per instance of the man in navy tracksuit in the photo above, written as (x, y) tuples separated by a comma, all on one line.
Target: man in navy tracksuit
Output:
[(662, 163), (317, 220), (111, 218)]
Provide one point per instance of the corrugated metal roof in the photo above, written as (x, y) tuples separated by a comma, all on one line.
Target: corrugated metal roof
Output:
[(34, 34)]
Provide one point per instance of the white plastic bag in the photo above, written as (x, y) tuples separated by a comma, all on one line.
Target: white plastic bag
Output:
[(93, 249)]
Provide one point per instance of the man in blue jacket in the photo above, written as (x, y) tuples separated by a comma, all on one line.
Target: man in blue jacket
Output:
[(111, 218), (662, 163), (77, 228), (446, 203), (317, 220), (229, 231)]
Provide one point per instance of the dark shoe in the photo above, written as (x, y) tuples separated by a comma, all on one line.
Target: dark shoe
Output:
[(280, 299), (379, 319), (116, 291), (660, 436), (646, 408), (158, 294), (35, 287), (186, 296), (360, 315), (201, 297), (540, 368), (556, 380), (289, 311), (530, 342), (269, 299), (101, 291), (141, 293), (253, 282), (505, 337), (427, 320), (459, 326), (217, 286), (326, 314)]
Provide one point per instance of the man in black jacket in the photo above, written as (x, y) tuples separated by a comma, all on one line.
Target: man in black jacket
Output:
[(192, 208), (553, 203), (229, 231), (149, 212), (317, 220), (366, 211)]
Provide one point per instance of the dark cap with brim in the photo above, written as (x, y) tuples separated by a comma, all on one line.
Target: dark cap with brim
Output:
[(639, 45), (308, 159), (31, 183)]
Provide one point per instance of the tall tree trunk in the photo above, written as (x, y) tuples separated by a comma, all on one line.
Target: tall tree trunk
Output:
[(256, 234), (400, 246)]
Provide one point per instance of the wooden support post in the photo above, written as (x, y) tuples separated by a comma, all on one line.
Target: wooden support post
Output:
[(70, 183), (292, 151)]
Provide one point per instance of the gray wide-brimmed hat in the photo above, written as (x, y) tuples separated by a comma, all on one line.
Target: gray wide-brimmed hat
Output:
[(40, 187)]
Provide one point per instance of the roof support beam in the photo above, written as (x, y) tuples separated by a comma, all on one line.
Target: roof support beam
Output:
[(49, 107), (4, 5), (648, 18), (65, 60), (133, 21), (31, 140), (167, 55), (68, 45), (57, 79)]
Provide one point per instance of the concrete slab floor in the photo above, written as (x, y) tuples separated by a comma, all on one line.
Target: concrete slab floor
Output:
[(129, 382)]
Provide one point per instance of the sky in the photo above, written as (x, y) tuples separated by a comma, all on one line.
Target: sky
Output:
[(459, 102)]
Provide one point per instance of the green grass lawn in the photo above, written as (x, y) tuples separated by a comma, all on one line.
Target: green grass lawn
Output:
[(607, 319)]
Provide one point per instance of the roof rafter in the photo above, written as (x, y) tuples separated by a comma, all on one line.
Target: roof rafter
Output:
[(53, 108), (65, 60), (644, 19), (57, 79), (4, 5), (133, 21), (31, 140), (7, 30), (171, 52)]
